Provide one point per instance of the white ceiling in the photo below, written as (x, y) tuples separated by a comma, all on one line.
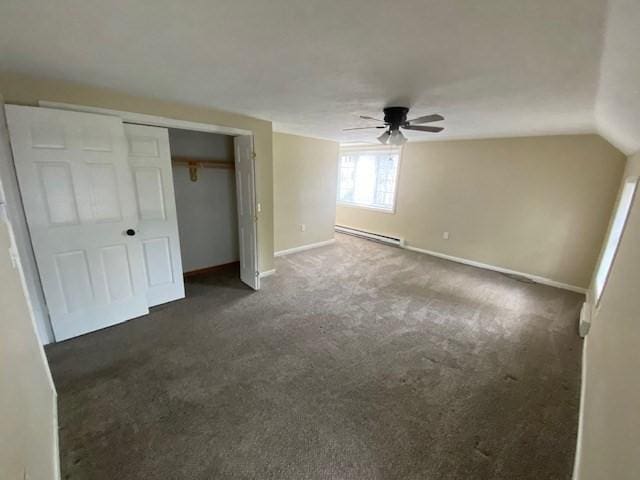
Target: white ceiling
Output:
[(618, 100), (491, 67)]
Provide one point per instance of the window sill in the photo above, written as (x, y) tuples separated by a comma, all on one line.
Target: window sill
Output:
[(367, 207)]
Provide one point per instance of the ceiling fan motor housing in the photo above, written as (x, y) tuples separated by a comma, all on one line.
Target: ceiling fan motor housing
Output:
[(395, 117)]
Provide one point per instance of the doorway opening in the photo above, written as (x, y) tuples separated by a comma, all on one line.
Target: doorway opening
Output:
[(205, 191)]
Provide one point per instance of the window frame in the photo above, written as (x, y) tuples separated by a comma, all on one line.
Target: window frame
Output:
[(363, 149), (635, 181)]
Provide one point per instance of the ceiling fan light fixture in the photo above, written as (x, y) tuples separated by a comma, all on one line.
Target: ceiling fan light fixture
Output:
[(395, 118), (384, 138), (397, 138)]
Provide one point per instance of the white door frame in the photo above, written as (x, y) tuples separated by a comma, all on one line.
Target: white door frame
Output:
[(140, 119), (151, 120)]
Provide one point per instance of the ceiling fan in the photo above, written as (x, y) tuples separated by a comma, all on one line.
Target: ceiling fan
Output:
[(395, 118)]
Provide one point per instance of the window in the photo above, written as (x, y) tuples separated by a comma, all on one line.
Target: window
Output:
[(613, 239), (367, 177)]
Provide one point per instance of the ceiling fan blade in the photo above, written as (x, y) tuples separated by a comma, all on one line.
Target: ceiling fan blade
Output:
[(361, 128), (423, 129), (365, 117), (427, 119)]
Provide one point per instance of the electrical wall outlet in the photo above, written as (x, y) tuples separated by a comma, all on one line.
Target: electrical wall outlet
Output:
[(302, 227), (445, 235)]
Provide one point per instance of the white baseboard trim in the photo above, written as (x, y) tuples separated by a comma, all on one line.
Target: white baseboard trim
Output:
[(56, 439), (473, 263), (267, 273), (303, 248), (583, 388)]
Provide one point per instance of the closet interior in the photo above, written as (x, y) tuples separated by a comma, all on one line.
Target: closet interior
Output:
[(205, 192)]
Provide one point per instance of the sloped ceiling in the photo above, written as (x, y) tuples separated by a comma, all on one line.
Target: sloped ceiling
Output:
[(618, 100), (493, 68)]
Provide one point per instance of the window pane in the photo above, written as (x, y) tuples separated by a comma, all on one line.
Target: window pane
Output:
[(365, 180), (386, 180), (346, 180), (368, 178)]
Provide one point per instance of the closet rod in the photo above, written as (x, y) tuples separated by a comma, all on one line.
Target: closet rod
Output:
[(200, 162)]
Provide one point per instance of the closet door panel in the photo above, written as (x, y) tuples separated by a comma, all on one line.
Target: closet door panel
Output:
[(150, 190), (157, 253), (247, 219), (150, 161), (79, 201)]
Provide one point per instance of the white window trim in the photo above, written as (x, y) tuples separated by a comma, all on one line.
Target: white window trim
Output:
[(605, 283), (376, 149), (367, 207)]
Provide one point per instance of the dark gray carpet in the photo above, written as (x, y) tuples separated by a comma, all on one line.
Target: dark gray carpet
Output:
[(355, 361)]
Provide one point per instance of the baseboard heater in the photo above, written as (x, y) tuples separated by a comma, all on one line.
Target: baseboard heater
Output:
[(395, 241)]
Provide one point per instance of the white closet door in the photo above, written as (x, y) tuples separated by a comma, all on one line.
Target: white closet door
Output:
[(247, 219), (150, 161), (79, 201)]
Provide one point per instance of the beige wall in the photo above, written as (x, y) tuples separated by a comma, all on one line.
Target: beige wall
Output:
[(27, 90), (609, 444), (304, 191), (537, 205), (28, 422)]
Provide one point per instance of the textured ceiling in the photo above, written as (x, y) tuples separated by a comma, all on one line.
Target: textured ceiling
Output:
[(492, 67)]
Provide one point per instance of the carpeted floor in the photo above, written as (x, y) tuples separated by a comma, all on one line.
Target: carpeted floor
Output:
[(355, 361)]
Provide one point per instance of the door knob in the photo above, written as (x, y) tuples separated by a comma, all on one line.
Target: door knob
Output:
[(131, 232)]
